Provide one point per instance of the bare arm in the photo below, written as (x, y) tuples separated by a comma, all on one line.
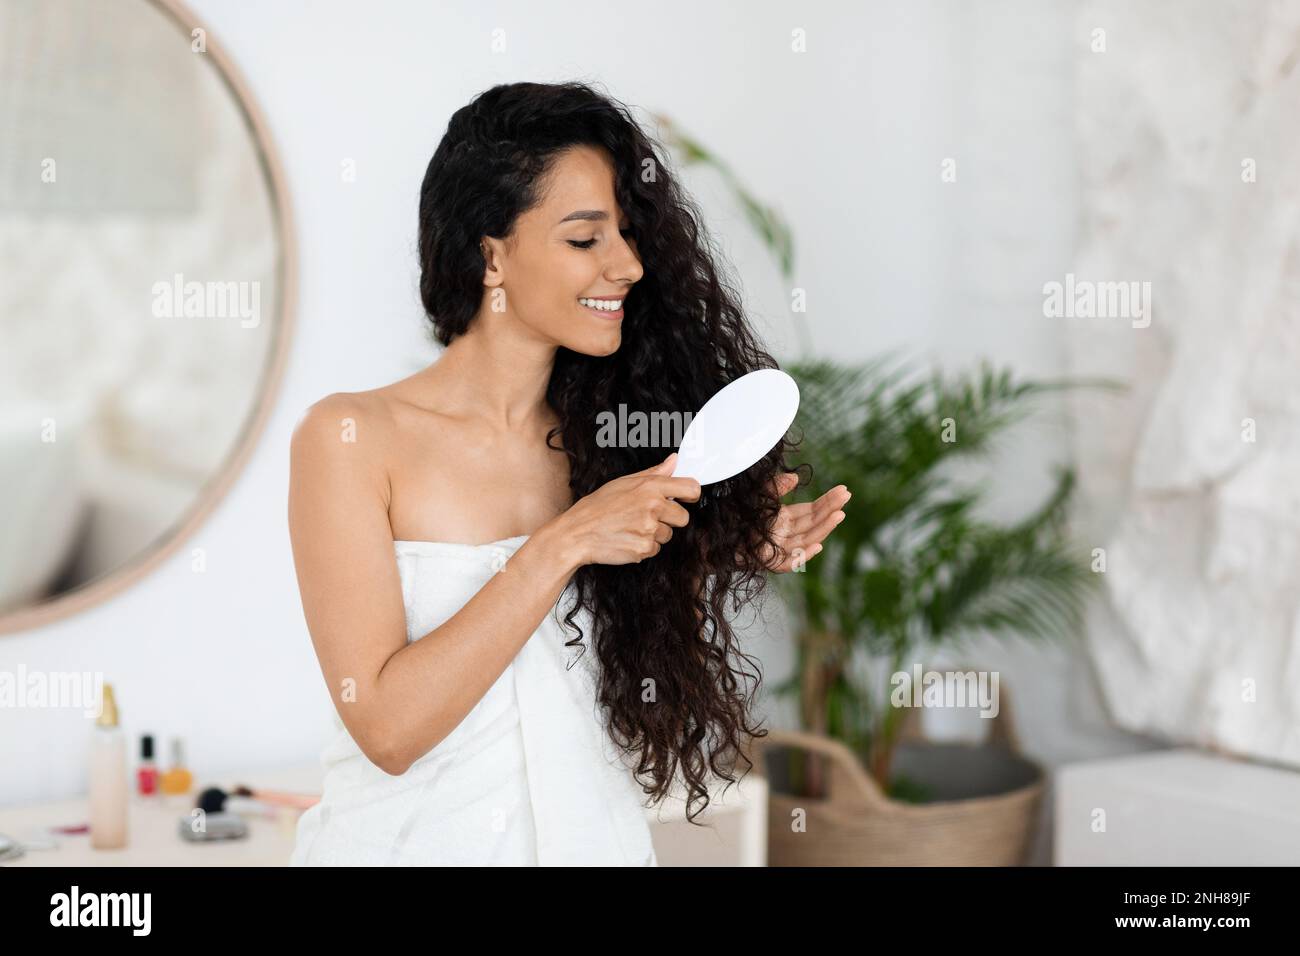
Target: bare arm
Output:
[(397, 700)]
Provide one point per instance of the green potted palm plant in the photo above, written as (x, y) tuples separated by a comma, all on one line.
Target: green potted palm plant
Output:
[(913, 569)]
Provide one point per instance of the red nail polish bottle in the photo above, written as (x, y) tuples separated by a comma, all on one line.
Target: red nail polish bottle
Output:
[(147, 776)]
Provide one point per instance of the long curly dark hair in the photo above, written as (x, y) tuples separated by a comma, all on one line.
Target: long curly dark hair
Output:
[(684, 336)]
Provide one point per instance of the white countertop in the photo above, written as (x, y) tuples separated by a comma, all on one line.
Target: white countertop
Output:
[(153, 822), (736, 832)]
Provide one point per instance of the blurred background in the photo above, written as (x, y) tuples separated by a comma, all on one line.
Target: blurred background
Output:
[(1068, 230)]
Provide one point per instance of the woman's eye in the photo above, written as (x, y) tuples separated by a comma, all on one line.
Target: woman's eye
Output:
[(588, 243)]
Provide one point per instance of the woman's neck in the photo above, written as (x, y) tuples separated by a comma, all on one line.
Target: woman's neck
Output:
[(497, 372)]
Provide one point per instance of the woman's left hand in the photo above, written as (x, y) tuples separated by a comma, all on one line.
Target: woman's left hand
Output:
[(799, 529)]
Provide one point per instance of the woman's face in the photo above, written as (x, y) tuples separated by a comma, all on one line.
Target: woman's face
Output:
[(567, 251)]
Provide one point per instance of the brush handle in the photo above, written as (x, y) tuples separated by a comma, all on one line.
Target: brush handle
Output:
[(282, 797)]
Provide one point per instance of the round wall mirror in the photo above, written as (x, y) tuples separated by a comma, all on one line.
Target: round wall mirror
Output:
[(146, 287)]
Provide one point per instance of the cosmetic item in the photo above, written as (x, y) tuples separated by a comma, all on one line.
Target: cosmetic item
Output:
[(177, 779), (108, 778), (10, 849), (146, 777), (244, 799), (284, 798), (215, 800), (215, 827)]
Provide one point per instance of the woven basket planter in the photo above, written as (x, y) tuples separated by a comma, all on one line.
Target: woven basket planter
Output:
[(856, 824)]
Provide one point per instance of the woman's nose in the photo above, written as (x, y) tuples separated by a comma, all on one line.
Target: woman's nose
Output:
[(625, 266)]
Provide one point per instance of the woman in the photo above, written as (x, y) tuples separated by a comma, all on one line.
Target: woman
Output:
[(523, 628)]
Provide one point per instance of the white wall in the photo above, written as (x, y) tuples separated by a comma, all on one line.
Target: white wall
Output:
[(845, 139)]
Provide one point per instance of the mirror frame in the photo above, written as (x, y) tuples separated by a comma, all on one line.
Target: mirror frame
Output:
[(117, 581)]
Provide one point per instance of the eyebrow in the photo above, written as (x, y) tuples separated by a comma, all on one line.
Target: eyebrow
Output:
[(591, 215)]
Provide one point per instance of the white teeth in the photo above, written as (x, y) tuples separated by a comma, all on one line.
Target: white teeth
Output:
[(603, 304)]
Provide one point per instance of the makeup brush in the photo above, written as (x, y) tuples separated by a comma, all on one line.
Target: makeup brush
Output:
[(214, 799)]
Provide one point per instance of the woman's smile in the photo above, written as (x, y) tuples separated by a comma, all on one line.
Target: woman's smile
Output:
[(606, 306)]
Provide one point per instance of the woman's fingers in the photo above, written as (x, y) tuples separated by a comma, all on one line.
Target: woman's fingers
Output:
[(800, 529), (785, 560), (818, 532), (801, 517)]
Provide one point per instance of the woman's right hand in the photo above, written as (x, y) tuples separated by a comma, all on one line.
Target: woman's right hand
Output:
[(630, 518)]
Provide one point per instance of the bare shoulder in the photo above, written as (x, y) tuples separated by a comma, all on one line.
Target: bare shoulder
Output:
[(347, 414), (344, 433)]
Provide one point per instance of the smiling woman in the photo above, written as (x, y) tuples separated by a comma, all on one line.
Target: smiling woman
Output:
[(474, 724), (577, 262)]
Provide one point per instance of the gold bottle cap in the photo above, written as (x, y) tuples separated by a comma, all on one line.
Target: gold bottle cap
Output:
[(108, 714)]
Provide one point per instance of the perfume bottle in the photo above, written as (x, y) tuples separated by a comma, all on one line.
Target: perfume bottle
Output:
[(108, 786), (177, 779), (146, 777)]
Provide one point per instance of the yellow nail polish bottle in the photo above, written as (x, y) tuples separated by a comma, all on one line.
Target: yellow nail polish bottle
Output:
[(177, 779)]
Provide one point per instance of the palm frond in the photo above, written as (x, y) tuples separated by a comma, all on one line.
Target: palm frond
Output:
[(913, 563)]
